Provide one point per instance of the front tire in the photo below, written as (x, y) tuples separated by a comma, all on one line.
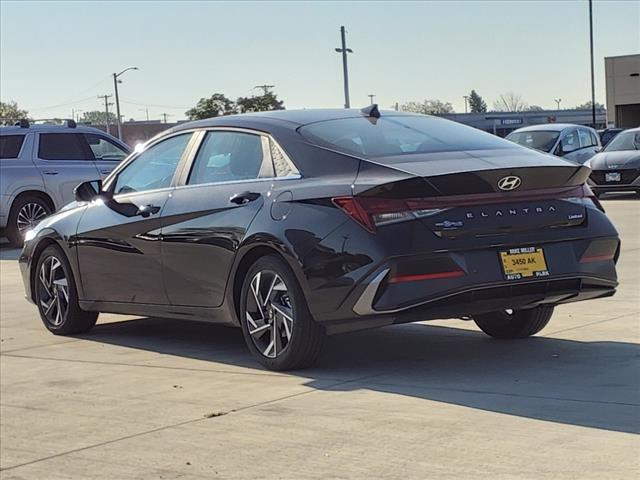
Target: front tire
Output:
[(277, 325), (25, 213), (515, 324), (56, 295)]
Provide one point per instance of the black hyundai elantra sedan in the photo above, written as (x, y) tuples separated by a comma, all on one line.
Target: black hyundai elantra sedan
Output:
[(295, 225)]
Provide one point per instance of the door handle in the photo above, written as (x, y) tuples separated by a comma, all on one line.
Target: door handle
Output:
[(244, 197), (50, 172), (147, 210), (105, 172)]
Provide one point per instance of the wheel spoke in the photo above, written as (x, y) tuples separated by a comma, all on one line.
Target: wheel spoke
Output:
[(255, 289), (276, 279), (47, 306), (261, 329), (267, 351)]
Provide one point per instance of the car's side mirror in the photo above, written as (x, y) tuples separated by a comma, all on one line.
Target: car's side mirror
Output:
[(87, 191)]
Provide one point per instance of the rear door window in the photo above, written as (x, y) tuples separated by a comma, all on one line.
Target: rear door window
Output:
[(64, 146), (227, 157), (585, 138), (10, 145)]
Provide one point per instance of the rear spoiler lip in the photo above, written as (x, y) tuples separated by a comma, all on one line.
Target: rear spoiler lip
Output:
[(447, 201)]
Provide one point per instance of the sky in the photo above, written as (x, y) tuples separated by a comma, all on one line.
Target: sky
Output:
[(58, 56)]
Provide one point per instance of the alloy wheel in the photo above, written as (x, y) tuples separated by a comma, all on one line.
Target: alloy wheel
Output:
[(29, 215), (270, 318), (53, 291)]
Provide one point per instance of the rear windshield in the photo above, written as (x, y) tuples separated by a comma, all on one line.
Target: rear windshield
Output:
[(540, 140), (401, 135), (10, 145)]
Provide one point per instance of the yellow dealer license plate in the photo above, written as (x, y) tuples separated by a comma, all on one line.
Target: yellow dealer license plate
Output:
[(523, 262)]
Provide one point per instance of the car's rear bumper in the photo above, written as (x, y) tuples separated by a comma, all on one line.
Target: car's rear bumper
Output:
[(575, 274)]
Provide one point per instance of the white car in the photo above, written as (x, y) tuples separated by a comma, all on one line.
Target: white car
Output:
[(573, 142)]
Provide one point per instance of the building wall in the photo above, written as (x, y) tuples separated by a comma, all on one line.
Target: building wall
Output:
[(622, 76), (137, 132), (503, 123)]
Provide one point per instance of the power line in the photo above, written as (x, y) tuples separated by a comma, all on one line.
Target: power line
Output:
[(144, 104)]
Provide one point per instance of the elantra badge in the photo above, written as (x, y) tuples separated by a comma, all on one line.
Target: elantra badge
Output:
[(509, 183)]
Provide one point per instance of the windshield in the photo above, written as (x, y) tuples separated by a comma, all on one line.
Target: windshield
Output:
[(540, 140), (399, 135), (624, 141)]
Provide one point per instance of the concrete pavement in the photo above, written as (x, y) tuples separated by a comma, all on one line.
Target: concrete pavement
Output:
[(152, 398)]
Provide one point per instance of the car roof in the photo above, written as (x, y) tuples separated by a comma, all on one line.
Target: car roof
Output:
[(42, 128), (294, 118), (550, 127)]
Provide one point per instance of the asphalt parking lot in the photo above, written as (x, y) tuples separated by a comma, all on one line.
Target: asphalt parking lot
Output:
[(153, 398)]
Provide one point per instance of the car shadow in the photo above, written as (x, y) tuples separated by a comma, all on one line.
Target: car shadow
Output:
[(590, 384)]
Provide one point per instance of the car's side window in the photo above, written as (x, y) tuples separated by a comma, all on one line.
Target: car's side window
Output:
[(10, 145), (570, 141), (227, 157), (585, 138), (594, 139), (154, 168), (105, 149), (64, 146)]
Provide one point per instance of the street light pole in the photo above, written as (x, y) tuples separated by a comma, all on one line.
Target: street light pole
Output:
[(344, 50), (371, 95), (557, 100), (593, 86), (466, 100), (115, 87)]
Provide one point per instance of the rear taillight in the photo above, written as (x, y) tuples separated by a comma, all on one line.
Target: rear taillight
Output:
[(371, 212), (601, 251)]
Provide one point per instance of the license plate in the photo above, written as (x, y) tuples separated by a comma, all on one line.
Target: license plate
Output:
[(523, 262), (612, 177)]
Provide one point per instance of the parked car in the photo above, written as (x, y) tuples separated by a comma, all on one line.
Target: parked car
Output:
[(40, 165), (617, 167), (573, 142), (298, 224), (608, 134)]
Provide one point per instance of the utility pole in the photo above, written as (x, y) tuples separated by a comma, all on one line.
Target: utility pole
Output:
[(115, 87), (106, 110), (371, 95), (164, 117), (593, 85), (146, 110), (344, 50), (396, 106), (557, 100), (466, 101), (265, 88)]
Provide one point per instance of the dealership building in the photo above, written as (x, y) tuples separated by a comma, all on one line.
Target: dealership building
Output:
[(503, 123), (623, 90)]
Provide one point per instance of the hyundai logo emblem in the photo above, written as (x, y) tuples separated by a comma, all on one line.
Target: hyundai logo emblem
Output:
[(509, 183)]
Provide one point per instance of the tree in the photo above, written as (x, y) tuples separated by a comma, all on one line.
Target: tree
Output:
[(476, 103), (214, 106), (428, 107), (587, 106), (97, 117), (10, 113), (262, 103), (510, 102)]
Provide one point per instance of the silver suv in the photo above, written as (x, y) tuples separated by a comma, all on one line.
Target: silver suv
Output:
[(40, 165)]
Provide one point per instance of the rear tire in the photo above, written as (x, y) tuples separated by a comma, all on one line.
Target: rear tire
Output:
[(277, 325), (56, 295), (25, 212), (518, 324)]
